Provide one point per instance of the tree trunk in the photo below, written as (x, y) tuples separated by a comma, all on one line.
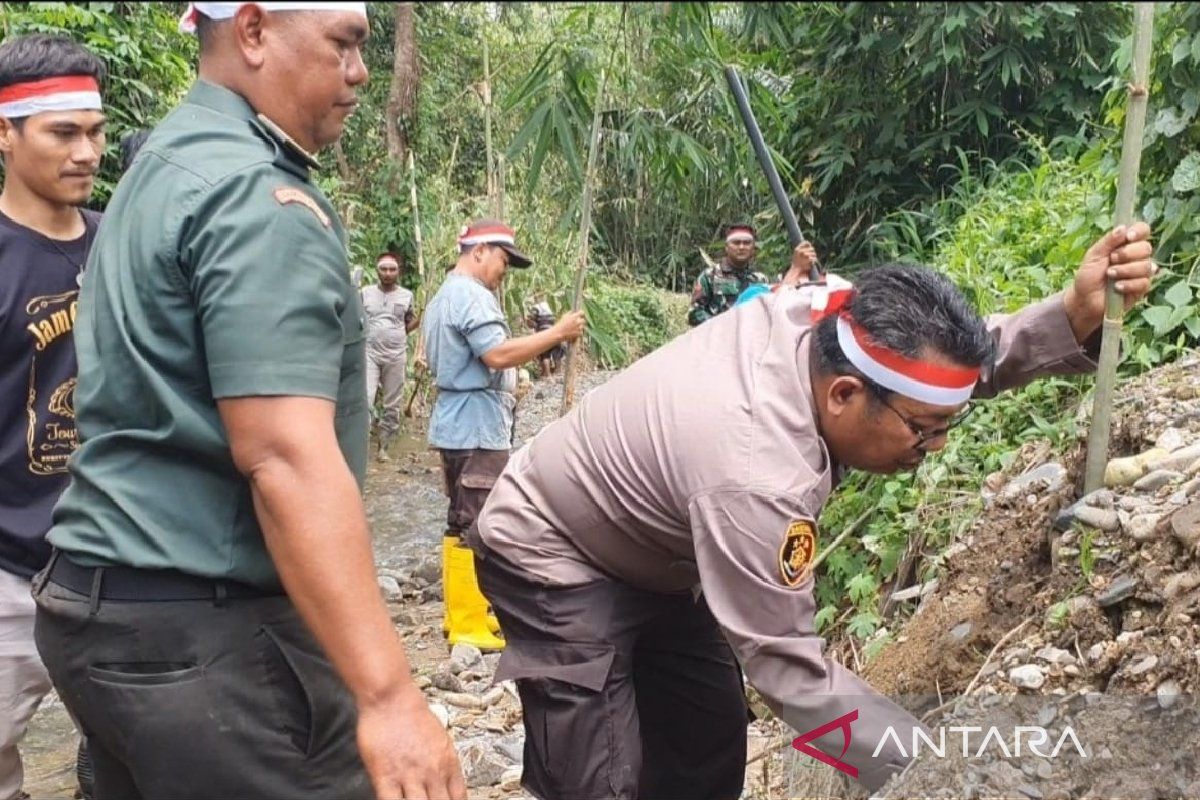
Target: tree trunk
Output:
[(401, 116)]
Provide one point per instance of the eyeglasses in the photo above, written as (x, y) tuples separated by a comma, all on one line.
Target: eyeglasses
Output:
[(923, 435)]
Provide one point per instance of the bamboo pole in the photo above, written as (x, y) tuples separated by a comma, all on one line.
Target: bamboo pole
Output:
[(487, 128), (1114, 306), (422, 291), (571, 367), (493, 202)]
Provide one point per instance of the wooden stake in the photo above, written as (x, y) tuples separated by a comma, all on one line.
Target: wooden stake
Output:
[(1114, 311), (571, 367)]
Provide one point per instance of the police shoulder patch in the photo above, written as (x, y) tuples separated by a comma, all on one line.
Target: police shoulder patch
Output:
[(797, 552), (291, 194)]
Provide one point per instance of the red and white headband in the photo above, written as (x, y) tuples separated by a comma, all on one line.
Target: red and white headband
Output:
[(388, 260), (929, 383), (492, 234), (739, 235), (64, 93), (219, 11)]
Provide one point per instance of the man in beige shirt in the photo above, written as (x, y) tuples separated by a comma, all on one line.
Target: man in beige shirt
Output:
[(636, 553)]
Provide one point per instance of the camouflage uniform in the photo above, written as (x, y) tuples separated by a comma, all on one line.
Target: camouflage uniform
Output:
[(718, 287)]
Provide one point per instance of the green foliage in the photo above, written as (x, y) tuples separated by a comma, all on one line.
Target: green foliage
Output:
[(1170, 179), (1087, 553), (1056, 617), (886, 93), (863, 103), (149, 62), (627, 322)]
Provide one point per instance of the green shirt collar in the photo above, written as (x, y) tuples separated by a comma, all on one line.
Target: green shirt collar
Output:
[(230, 103)]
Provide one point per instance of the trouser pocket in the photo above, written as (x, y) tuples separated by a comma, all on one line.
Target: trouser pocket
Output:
[(313, 704), (581, 735)]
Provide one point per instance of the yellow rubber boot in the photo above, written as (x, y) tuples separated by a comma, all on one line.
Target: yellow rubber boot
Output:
[(465, 604), (492, 623), (447, 543)]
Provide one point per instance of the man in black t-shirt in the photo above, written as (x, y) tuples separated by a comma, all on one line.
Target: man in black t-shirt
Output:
[(51, 138)]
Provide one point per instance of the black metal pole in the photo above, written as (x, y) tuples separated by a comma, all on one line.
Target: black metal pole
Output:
[(768, 166)]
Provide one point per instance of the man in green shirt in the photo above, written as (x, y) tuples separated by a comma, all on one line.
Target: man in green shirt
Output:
[(210, 614)]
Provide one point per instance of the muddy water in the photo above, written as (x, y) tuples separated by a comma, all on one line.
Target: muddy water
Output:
[(406, 509)]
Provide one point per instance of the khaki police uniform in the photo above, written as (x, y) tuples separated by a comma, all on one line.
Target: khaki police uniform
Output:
[(220, 271), (635, 554)]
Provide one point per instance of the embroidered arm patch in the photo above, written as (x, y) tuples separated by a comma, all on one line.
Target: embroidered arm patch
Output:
[(797, 552)]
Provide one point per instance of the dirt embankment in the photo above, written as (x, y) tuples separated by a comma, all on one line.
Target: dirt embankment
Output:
[(1071, 614)]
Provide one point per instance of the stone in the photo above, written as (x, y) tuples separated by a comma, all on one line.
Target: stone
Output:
[(1118, 591), (1043, 769), (1017, 654), (510, 781), (913, 592), (960, 631), (511, 747), (442, 713), (445, 679), (400, 576), (1178, 460), (1167, 693), (1142, 527), (1030, 791), (1027, 676), (1046, 715), (390, 588), (482, 766), (1153, 481), (428, 571), (1144, 665), (1127, 638), (1101, 498), (1104, 519), (1181, 582), (1124, 471), (406, 618), (1132, 502), (464, 657), (1186, 525), (1055, 655), (1045, 478), (1171, 439)]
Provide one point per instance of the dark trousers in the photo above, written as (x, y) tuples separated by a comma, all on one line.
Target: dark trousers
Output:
[(625, 693), (200, 698), (469, 476)]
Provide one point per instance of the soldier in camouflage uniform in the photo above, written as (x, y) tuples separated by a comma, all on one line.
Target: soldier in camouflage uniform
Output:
[(718, 287)]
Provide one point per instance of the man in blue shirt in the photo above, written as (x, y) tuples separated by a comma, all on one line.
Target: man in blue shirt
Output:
[(473, 362)]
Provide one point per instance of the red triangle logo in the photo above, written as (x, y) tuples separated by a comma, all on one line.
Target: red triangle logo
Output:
[(801, 743)]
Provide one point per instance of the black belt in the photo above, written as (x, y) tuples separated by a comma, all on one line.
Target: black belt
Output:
[(132, 584)]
